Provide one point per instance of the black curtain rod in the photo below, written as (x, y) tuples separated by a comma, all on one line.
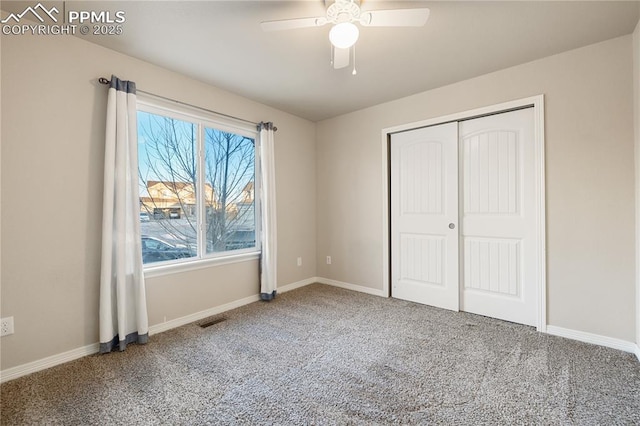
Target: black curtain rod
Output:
[(107, 81)]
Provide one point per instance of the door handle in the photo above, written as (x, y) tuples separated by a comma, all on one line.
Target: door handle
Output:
[(452, 226)]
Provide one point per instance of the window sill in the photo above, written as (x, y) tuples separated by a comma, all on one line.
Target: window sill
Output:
[(192, 265)]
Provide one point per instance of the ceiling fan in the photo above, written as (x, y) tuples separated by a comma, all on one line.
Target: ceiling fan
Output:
[(344, 15)]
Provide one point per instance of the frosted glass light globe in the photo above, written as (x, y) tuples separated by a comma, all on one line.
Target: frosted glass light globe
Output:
[(344, 35)]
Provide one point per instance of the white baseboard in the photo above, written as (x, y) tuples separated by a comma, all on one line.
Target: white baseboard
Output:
[(638, 351), (298, 284), (595, 339), (216, 310), (178, 322), (354, 287), (48, 362), (52, 361)]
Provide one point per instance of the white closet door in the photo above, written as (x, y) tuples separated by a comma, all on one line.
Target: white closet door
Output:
[(498, 216), (424, 211)]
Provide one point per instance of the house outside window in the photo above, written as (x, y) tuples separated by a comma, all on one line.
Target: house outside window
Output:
[(197, 181)]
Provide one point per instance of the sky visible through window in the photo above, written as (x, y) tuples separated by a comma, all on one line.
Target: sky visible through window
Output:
[(160, 141)]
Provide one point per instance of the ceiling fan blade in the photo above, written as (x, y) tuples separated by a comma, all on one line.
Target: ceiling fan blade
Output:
[(289, 24), (395, 18), (340, 57)]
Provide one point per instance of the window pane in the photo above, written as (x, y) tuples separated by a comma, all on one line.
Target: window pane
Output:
[(167, 157), (229, 191)]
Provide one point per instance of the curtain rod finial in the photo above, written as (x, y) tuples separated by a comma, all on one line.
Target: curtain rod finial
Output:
[(103, 80)]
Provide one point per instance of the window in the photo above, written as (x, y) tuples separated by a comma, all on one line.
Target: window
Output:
[(197, 179)]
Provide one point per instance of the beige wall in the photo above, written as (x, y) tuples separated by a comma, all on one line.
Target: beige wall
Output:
[(53, 120), (589, 172)]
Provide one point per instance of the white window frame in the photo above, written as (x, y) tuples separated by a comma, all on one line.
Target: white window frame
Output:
[(205, 119)]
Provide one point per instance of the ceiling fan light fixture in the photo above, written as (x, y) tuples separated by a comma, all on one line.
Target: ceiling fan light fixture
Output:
[(344, 35)]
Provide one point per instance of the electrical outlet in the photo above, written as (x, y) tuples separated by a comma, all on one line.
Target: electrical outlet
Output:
[(6, 326), (328, 260), (299, 261)]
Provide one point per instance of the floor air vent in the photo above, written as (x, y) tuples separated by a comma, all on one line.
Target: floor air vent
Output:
[(210, 322)]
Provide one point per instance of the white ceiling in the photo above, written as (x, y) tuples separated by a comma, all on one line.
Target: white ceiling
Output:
[(221, 43)]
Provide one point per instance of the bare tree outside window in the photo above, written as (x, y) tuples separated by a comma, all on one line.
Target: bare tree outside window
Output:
[(170, 193), (230, 173)]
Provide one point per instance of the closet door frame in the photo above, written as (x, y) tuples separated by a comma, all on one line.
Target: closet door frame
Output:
[(537, 102)]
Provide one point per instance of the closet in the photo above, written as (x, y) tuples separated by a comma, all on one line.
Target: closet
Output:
[(464, 216)]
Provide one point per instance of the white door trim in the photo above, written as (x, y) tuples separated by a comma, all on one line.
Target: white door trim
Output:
[(538, 105)]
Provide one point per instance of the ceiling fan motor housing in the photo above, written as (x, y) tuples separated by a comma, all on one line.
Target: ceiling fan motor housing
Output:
[(343, 11)]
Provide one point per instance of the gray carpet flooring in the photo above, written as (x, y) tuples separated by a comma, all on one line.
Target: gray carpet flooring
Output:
[(322, 355)]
